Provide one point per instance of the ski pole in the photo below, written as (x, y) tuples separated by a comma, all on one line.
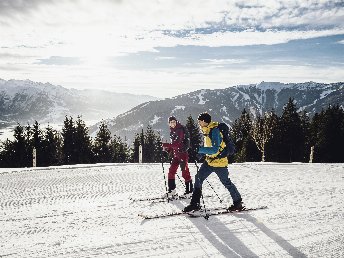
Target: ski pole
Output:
[(214, 191), (163, 171), (221, 201), (205, 210), (179, 179)]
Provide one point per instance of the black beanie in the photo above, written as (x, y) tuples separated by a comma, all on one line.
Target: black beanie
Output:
[(172, 118), (204, 117)]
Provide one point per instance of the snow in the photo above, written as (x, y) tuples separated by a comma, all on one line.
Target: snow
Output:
[(278, 86), (200, 96), (244, 95), (177, 108), (86, 211), (326, 93), (154, 120)]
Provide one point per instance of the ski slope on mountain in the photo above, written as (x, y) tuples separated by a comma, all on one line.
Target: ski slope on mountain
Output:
[(87, 211)]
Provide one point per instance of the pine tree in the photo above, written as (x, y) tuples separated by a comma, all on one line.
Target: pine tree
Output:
[(121, 150), (330, 137), (52, 142), (292, 138), (241, 134), (7, 154), (83, 143), (149, 145), (103, 150), (195, 138), (36, 142), (306, 128), (20, 148), (69, 147), (138, 140), (271, 145)]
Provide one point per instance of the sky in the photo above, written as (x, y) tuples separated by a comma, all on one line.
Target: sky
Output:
[(165, 48)]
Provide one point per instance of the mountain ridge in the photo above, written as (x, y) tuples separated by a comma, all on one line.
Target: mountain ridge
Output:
[(225, 105), (23, 101)]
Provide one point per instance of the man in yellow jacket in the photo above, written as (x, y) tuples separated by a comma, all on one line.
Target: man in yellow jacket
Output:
[(213, 144)]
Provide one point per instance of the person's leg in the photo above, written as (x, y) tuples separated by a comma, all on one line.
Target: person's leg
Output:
[(186, 174), (204, 171), (201, 175), (222, 173), (172, 175)]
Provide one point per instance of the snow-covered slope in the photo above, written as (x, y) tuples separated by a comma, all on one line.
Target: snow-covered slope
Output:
[(86, 211), (26, 101), (227, 104)]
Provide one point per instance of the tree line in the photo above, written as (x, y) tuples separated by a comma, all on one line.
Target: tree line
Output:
[(73, 145), (291, 136), (268, 137)]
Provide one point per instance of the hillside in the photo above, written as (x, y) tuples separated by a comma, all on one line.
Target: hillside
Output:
[(26, 101), (226, 105)]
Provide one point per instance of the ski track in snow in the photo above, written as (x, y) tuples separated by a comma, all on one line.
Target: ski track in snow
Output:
[(86, 211)]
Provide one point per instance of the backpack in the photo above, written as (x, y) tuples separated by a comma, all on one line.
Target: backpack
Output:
[(230, 149), (186, 140)]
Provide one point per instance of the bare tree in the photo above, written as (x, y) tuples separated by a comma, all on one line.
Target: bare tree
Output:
[(262, 131)]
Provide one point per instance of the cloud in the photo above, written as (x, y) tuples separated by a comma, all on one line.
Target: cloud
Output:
[(43, 37), (165, 58), (180, 18), (222, 62), (60, 60)]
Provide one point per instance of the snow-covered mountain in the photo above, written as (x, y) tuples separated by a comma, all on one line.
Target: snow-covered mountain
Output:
[(227, 104), (26, 101)]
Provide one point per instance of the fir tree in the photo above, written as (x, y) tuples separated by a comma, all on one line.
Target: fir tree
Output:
[(151, 146), (306, 128), (20, 148), (103, 150), (138, 140), (36, 142), (120, 149), (292, 138), (330, 137), (83, 143), (7, 154), (241, 134), (69, 149), (52, 142), (271, 145)]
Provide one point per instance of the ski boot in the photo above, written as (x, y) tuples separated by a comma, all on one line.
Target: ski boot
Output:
[(172, 194), (195, 201), (236, 206), (192, 207)]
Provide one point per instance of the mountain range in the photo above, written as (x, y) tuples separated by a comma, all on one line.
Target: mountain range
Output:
[(23, 101), (225, 105)]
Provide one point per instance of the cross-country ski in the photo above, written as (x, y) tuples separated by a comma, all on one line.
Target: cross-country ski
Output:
[(206, 213)]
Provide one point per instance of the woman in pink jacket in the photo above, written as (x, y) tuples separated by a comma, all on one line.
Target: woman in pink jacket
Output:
[(180, 157)]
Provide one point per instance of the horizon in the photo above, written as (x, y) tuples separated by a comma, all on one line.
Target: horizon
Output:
[(169, 97), (180, 47)]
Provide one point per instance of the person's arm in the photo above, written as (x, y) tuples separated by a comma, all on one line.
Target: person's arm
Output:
[(215, 142)]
